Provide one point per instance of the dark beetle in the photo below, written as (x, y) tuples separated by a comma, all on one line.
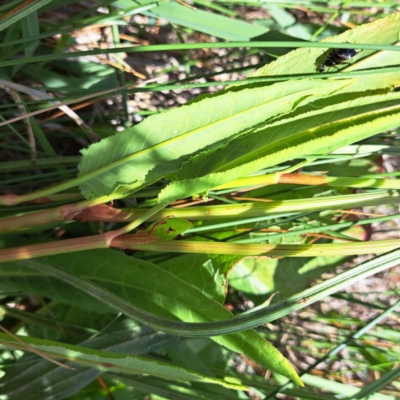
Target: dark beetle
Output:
[(337, 56)]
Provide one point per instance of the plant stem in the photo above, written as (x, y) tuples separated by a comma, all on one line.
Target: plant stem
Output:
[(271, 250), (96, 210)]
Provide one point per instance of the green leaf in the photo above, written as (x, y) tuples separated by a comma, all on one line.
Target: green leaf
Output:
[(240, 159), (158, 146), (263, 275), (209, 355), (254, 275), (189, 354), (30, 28), (159, 292), (109, 361), (257, 143), (280, 15), (207, 22), (199, 270)]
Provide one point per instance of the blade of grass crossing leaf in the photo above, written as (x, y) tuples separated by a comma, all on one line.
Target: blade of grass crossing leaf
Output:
[(190, 46)]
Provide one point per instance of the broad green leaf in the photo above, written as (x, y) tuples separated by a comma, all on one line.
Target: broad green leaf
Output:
[(334, 109), (199, 270), (106, 360), (254, 275), (158, 146), (258, 142), (306, 60), (149, 288), (322, 140), (212, 355), (294, 275), (207, 272)]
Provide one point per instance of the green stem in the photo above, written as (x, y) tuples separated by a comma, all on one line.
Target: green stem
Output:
[(134, 242), (73, 245), (191, 46), (244, 210), (51, 248), (271, 250)]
